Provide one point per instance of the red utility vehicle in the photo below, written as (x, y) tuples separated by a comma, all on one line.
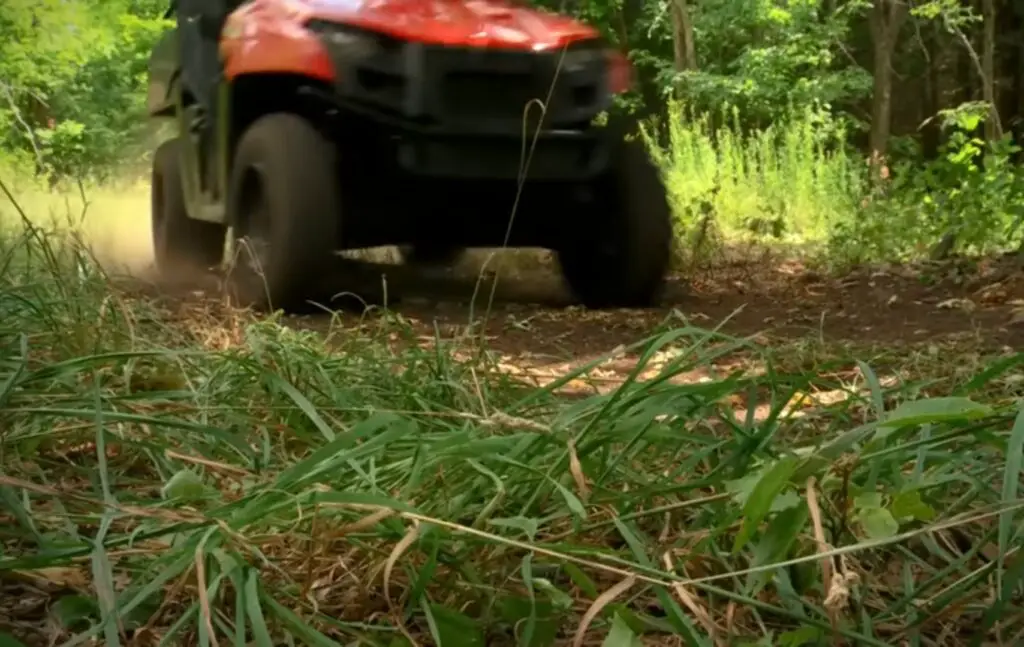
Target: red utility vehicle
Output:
[(310, 126)]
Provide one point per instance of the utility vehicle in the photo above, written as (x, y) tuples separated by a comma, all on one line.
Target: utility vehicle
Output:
[(306, 127)]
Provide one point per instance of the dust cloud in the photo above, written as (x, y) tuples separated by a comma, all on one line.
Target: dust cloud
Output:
[(113, 223)]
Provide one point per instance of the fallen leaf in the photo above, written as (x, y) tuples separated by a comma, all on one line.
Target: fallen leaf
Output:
[(958, 304), (60, 576), (993, 294)]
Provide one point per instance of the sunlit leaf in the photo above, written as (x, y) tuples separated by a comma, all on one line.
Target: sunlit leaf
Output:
[(878, 523), (184, 486), (761, 498), (931, 411), (620, 635), (909, 505)]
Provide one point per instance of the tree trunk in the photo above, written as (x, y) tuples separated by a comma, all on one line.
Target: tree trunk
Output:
[(887, 17), (930, 131), (993, 126), (683, 48)]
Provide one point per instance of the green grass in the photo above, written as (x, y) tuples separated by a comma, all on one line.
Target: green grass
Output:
[(113, 218), (793, 181), (201, 477)]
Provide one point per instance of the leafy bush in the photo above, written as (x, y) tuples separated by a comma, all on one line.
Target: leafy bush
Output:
[(971, 197), (792, 180)]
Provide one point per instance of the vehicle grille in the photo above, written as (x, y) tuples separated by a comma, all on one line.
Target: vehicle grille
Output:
[(495, 96)]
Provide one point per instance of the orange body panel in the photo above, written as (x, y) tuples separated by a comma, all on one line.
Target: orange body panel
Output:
[(268, 36)]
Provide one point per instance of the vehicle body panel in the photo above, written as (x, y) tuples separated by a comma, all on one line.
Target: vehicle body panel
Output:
[(164, 67), (269, 37), (469, 23), (496, 24)]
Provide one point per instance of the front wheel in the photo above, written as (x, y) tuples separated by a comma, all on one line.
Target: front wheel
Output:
[(620, 254), (285, 206)]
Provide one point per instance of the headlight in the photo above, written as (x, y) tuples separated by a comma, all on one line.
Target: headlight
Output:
[(577, 60), (343, 40)]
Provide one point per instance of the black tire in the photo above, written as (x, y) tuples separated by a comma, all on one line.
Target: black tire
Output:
[(620, 254), (285, 206), (431, 255), (180, 244)]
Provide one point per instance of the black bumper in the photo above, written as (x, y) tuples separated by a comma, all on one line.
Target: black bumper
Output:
[(463, 112)]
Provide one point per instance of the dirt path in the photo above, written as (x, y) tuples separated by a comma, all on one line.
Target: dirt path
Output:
[(533, 327), (779, 301)]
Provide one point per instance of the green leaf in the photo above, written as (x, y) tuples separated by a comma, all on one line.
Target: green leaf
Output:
[(775, 543), (303, 404), (261, 635), (800, 637), (571, 500), (878, 523), (674, 614), (559, 598), (908, 505), (1011, 485), (621, 635), (526, 524), (785, 501), (931, 411), (76, 612), (742, 488), (185, 486), (7, 640), (762, 497), (581, 579), (453, 629), (868, 500)]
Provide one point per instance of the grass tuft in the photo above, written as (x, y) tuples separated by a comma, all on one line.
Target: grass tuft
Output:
[(201, 477)]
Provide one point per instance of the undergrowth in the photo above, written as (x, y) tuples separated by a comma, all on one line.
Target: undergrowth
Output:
[(184, 474), (798, 183)]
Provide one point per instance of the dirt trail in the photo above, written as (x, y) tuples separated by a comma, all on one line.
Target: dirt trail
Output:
[(536, 331), (779, 301)]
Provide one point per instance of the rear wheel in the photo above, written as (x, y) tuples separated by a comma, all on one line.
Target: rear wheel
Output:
[(285, 205), (180, 244), (620, 255)]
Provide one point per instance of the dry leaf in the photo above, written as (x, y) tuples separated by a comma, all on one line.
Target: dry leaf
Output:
[(956, 304)]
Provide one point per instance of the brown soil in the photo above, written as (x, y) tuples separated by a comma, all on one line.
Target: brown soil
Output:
[(535, 330), (894, 306)]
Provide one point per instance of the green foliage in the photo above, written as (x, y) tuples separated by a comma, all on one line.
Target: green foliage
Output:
[(72, 76), (766, 58), (973, 191), (791, 181)]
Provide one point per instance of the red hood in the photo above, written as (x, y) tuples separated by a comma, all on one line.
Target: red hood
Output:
[(477, 23)]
